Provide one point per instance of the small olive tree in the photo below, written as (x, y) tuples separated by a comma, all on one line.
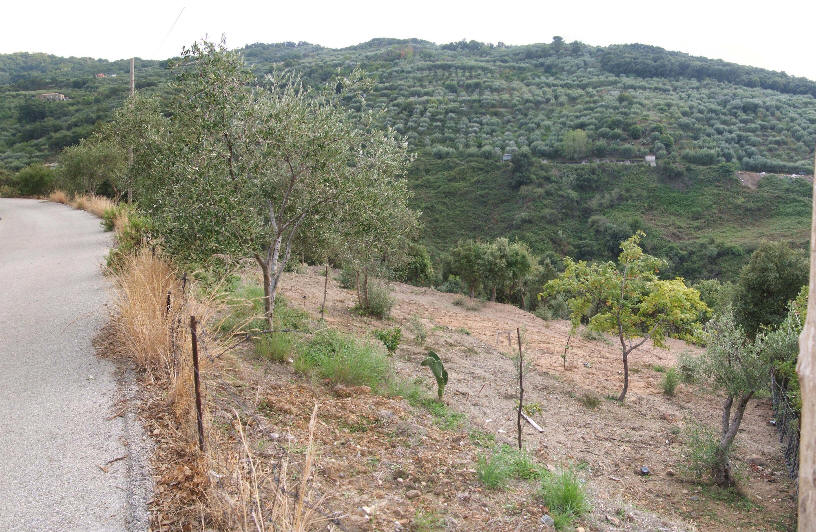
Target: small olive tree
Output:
[(739, 368), (629, 300)]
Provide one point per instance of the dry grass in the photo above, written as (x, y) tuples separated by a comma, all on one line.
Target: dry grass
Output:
[(227, 487), (92, 203), (58, 196)]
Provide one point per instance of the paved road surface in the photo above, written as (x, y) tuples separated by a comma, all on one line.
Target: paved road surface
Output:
[(56, 396)]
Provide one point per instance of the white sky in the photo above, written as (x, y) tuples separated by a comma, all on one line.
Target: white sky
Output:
[(774, 34)]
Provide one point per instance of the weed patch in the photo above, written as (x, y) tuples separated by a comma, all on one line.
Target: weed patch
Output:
[(343, 360), (563, 493)]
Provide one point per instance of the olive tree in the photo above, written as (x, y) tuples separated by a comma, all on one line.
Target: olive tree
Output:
[(629, 300), (246, 167), (86, 166), (739, 368)]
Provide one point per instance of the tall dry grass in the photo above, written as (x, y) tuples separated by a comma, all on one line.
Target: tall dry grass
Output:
[(239, 490), (58, 196), (92, 203)]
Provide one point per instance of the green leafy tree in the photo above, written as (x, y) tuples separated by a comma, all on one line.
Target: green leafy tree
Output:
[(466, 261), (137, 128), (738, 367), (247, 168), (774, 275), (87, 166), (629, 300)]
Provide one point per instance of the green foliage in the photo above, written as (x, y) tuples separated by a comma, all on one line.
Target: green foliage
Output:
[(731, 362), (715, 294), (670, 381), (390, 338), (275, 346), (418, 329), (563, 493), (590, 400), (245, 310), (378, 301), (774, 275), (575, 144), (342, 359), (688, 367), (34, 180), (348, 278), (417, 268), (702, 454), (505, 463), (434, 363), (629, 300), (132, 236), (91, 165)]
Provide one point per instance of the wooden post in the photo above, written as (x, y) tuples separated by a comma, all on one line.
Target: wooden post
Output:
[(197, 384), (325, 289), (167, 306), (806, 367), (521, 387)]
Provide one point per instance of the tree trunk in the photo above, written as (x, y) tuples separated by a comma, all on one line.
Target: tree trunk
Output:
[(493, 293), (722, 471), (806, 367), (325, 290), (472, 291), (268, 297), (625, 376)]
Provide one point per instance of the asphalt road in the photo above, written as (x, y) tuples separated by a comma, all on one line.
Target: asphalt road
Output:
[(58, 433)]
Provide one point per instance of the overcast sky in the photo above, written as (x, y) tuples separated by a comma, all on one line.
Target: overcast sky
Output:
[(771, 34)]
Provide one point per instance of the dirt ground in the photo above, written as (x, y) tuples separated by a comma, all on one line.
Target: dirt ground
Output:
[(608, 442)]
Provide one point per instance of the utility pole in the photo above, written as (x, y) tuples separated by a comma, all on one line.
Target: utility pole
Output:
[(130, 150), (806, 367)]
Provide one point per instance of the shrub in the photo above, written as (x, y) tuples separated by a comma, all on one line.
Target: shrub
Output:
[(590, 400), (389, 337), (109, 216), (687, 366), (452, 285), (702, 450), (670, 380), (555, 308), (342, 359), (379, 301), (564, 495), (468, 303), (418, 330), (132, 233), (347, 278), (34, 180)]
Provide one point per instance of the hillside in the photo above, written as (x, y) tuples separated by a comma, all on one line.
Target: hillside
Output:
[(387, 463), (463, 105)]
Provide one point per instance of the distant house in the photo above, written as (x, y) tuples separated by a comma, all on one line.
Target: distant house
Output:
[(507, 156), (650, 160), (100, 75), (53, 96)]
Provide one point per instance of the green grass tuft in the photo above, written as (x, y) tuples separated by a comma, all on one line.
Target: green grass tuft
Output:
[(343, 359), (563, 493)]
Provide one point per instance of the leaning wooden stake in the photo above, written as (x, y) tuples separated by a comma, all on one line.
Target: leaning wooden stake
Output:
[(197, 384), (806, 368), (325, 289), (521, 387)]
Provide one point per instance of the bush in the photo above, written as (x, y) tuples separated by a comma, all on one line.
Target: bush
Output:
[(418, 330), (389, 337), (342, 359), (687, 366), (379, 302), (34, 180), (452, 285), (564, 495), (670, 380), (132, 233), (554, 308), (347, 278), (702, 451)]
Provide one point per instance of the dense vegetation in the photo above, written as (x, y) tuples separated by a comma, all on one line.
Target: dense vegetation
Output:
[(463, 105)]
